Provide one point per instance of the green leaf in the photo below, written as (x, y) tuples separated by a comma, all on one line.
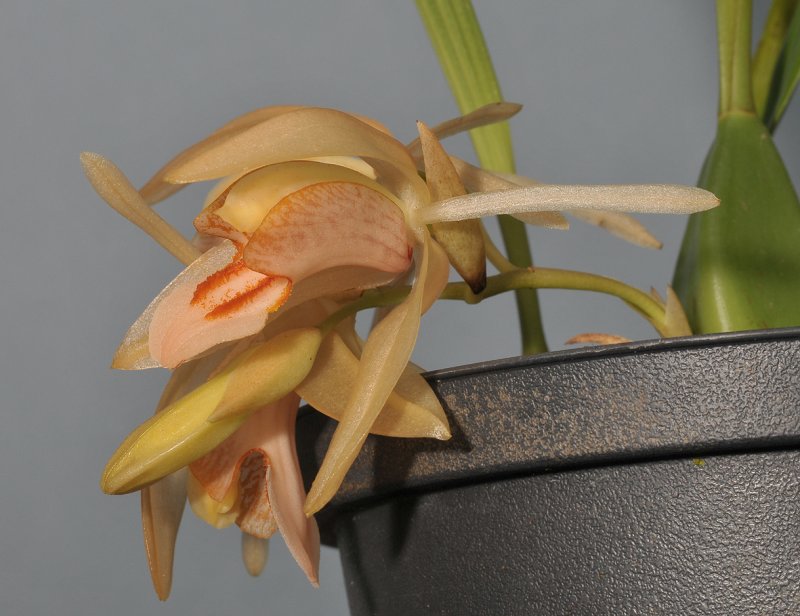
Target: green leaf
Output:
[(740, 263), (785, 77), (769, 50), (457, 39)]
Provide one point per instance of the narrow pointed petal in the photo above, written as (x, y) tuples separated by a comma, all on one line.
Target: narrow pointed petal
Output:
[(112, 185), (482, 116), (462, 240), (411, 411), (184, 431), (326, 225), (621, 225), (163, 502), (649, 198), (158, 188), (162, 509), (134, 352), (255, 553), (616, 223), (677, 323), (385, 356), (476, 179), (287, 495)]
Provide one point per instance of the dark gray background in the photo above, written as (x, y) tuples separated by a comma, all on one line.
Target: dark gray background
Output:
[(614, 91)]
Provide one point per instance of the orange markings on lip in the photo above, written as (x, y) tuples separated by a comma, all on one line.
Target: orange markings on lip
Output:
[(251, 295), (216, 280), (220, 303)]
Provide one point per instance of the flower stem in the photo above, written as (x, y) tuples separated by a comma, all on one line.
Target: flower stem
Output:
[(547, 278), (514, 280)]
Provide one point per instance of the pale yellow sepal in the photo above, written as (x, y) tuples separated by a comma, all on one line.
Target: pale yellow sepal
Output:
[(417, 414), (386, 353), (482, 116), (462, 240), (184, 431), (112, 185)]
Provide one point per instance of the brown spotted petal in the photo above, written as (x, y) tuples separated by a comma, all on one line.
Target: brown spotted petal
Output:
[(327, 225)]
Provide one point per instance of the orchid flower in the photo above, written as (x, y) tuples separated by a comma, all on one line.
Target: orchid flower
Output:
[(312, 208)]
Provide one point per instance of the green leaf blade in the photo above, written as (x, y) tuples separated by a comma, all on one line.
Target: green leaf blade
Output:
[(786, 76)]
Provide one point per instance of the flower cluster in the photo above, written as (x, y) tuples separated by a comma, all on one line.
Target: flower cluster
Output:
[(313, 208)]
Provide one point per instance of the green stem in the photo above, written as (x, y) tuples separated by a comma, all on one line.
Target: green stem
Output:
[(459, 43), (734, 25), (539, 278)]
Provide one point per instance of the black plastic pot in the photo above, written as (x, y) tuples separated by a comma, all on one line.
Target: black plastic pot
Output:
[(646, 478)]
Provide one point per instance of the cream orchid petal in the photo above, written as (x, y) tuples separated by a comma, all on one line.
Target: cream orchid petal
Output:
[(649, 198), (385, 356), (476, 180), (133, 352), (462, 240), (242, 206), (621, 225), (158, 188), (327, 225), (409, 412), (617, 223), (299, 134), (482, 116), (116, 190)]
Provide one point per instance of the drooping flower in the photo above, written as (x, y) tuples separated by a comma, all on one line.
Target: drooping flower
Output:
[(314, 207)]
